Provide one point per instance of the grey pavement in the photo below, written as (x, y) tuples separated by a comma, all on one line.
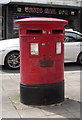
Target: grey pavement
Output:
[(13, 108)]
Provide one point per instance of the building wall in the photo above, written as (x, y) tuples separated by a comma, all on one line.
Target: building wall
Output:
[(53, 2), (81, 20), (0, 21), (10, 13)]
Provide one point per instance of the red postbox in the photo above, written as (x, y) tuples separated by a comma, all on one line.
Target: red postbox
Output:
[(41, 60)]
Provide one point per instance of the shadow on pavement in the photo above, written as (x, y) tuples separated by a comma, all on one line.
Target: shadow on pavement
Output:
[(72, 67), (4, 69), (68, 105)]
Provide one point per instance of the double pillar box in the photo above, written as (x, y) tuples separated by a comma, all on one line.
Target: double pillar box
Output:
[(41, 60)]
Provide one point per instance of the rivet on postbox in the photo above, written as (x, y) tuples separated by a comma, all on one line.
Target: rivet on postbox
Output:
[(43, 44)]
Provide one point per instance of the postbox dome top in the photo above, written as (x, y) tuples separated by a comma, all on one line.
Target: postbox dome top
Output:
[(40, 20)]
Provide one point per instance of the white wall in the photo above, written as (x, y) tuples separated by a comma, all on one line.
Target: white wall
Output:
[(55, 2), (67, 2), (4, 1)]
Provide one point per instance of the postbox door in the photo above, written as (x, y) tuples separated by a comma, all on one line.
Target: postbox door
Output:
[(40, 56), (47, 52)]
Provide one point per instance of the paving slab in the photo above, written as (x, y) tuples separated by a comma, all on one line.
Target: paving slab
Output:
[(13, 108)]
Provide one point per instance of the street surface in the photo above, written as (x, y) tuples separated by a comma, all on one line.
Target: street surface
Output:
[(12, 108)]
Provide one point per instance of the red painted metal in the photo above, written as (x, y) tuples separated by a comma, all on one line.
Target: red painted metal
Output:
[(46, 66)]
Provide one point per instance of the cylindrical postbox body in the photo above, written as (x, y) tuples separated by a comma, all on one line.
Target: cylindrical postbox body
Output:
[(41, 60)]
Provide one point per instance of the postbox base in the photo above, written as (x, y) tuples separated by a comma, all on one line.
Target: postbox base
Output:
[(42, 94)]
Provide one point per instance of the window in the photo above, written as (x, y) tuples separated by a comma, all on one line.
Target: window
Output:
[(72, 37), (79, 38), (71, 34), (69, 39)]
